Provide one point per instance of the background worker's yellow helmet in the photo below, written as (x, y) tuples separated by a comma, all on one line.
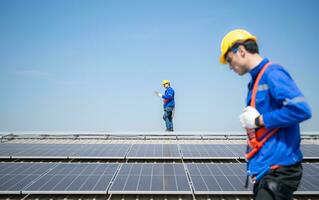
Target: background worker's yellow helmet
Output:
[(165, 81), (231, 38)]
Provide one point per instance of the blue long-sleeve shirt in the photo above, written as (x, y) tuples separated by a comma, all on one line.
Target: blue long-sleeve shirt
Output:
[(168, 98), (283, 106)]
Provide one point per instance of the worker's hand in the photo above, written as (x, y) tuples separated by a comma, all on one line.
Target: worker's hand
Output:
[(158, 94), (247, 118)]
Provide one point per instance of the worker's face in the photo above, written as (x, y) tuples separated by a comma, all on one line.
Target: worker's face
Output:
[(236, 60), (166, 85)]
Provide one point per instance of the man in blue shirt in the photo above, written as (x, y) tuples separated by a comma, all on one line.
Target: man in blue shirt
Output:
[(169, 104), (274, 108)]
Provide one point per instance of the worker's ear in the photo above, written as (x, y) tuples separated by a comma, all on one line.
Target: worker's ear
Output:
[(242, 51)]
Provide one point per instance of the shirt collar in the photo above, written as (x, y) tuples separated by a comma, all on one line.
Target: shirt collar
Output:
[(254, 72)]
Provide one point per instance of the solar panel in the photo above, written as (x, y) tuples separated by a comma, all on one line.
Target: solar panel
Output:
[(228, 178), (100, 151), (16, 176), (310, 151), (239, 150), (207, 151), (45, 151), (154, 151), (74, 178), (64, 151), (233, 151), (151, 179), (310, 180), (7, 149)]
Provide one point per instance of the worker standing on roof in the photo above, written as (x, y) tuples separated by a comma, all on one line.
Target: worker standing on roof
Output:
[(275, 107), (169, 104)]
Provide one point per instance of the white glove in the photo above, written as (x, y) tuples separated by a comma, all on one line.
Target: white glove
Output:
[(247, 118), (158, 94)]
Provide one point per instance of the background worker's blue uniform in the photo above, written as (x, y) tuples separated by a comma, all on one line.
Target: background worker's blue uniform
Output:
[(169, 105), (283, 106)]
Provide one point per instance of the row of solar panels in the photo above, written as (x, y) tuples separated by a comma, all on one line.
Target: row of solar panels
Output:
[(133, 151), (114, 178)]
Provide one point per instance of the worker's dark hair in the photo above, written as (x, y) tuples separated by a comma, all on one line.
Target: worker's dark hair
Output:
[(250, 46)]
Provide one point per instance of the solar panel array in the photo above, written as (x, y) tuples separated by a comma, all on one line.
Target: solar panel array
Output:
[(135, 178), (135, 151)]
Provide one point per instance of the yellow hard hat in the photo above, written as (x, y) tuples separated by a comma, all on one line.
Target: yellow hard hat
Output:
[(165, 81), (231, 38)]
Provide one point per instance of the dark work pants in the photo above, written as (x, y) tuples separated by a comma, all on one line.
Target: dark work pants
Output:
[(279, 184), (168, 117)]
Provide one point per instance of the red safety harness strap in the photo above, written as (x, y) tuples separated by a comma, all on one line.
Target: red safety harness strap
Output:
[(254, 137)]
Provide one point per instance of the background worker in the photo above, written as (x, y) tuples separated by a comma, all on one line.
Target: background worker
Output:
[(275, 107), (169, 104)]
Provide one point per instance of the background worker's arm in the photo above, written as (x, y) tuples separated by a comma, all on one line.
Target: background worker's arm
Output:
[(158, 94), (293, 107)]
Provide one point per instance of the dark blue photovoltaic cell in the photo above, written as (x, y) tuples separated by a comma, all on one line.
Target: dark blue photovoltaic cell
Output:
[(151, 179)]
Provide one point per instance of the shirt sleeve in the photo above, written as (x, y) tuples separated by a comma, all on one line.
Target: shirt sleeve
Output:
[(169, 94), (293, 107)]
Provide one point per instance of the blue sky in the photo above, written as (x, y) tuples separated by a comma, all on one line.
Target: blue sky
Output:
[(94, 65)]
